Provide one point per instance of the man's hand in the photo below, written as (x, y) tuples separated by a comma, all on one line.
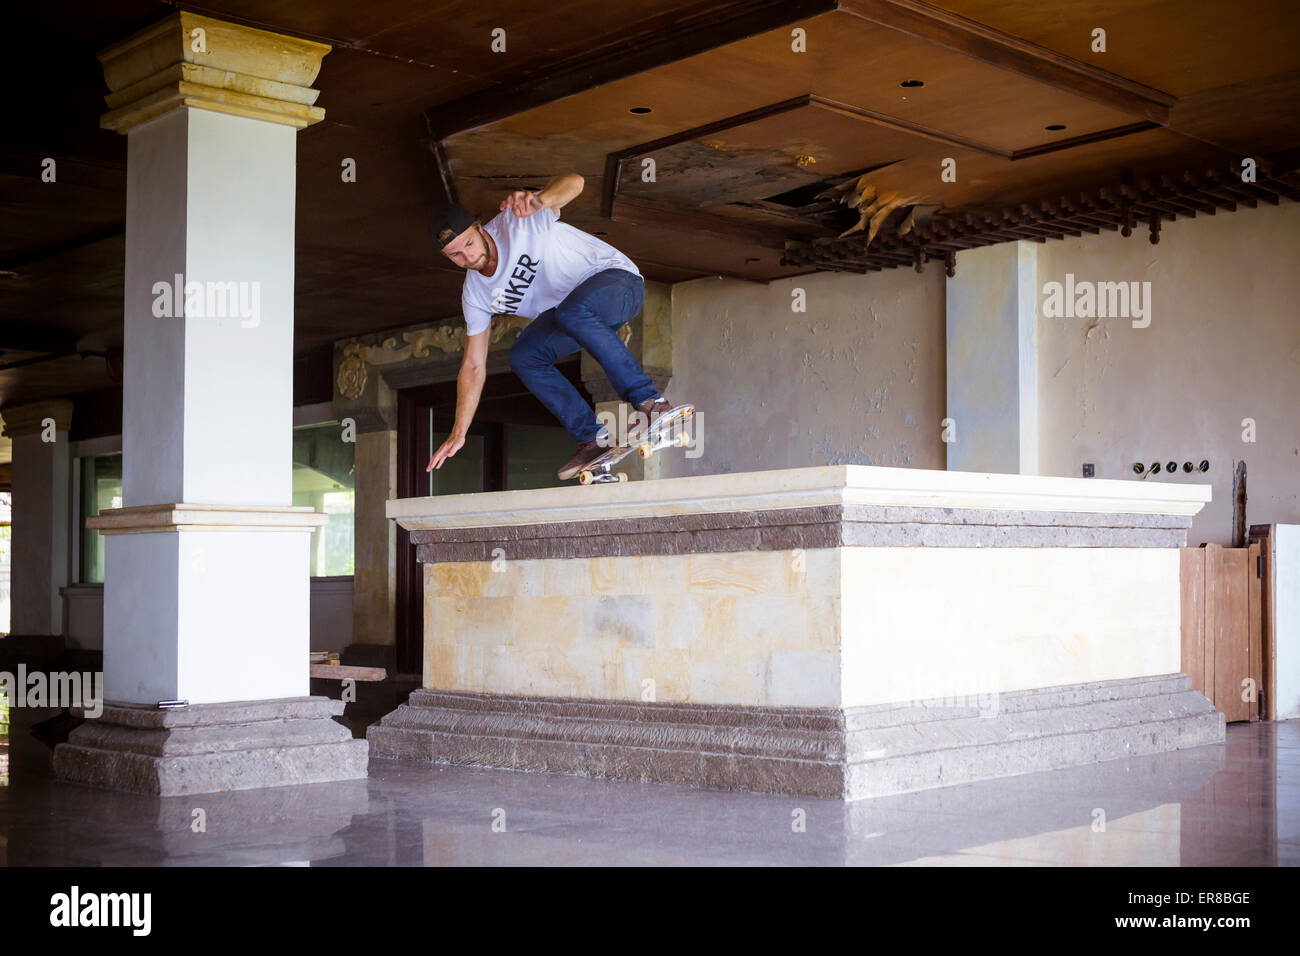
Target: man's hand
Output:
[(453, 444), (522, 203)]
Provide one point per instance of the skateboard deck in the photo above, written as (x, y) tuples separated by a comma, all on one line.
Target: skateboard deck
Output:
[(666, 432)]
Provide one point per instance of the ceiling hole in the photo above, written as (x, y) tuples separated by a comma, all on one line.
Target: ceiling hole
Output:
[(1055, 126), (748, 261), (639, 109), (911, 83), (600, 234)]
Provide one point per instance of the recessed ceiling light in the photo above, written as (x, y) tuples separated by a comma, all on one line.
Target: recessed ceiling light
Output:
[(639, 109), (912, 83), (1055, 126)]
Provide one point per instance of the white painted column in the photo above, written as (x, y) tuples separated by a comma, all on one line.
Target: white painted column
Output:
[(42, 473), (206, 587), (992, 308)]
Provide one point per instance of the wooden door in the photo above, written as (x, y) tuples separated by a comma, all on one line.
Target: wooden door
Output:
[(1222, 626)]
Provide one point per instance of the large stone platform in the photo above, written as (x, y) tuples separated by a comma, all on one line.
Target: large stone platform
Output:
[(842, 631)]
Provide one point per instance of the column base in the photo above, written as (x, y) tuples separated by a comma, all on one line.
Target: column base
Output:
[(829, 753), (205, 748)]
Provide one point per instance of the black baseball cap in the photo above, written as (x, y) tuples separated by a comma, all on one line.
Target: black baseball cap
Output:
[(448, 223)]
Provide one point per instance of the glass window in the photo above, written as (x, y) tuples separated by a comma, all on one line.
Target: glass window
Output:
[(323, 467), (461, 474), (533, 453), (101, 488)]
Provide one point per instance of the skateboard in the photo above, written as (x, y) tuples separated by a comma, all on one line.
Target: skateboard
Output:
[(666, 432)]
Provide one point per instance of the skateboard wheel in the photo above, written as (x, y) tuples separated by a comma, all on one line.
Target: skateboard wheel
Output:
[(688, 412), (584, 477), (622, 476), (645, 451), (682, 441)]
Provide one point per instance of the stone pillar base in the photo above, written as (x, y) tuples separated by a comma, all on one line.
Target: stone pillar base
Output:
[(205, 748), (831, 753)]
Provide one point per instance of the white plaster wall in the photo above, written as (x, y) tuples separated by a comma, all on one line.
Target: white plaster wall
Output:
[(39, 559), (1286, 620), (1223, 345), (856, 379), (970, 623)]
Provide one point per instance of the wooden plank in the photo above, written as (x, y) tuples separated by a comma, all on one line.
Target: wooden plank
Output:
[(1191, 575), (1262, 533), (1254, 632), (347, 672), (1232, 639)]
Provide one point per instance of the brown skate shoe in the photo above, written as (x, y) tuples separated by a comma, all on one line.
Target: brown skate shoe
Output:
[(652, 409), (587, 452)]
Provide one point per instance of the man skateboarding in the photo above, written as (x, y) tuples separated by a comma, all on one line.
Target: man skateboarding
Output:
[(579, 291)]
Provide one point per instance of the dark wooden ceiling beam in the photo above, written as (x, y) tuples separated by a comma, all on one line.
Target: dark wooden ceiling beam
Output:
[(626, 56), (1008, 52), (904, 126), (646, 213), (1084, 139)]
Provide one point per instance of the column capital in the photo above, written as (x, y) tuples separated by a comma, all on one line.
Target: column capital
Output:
[(29, 419), (192, 60)]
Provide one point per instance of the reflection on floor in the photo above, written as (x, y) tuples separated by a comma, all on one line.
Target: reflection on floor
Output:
[(1235, 805)]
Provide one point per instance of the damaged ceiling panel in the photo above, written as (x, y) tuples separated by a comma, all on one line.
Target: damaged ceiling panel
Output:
[(947, 114)]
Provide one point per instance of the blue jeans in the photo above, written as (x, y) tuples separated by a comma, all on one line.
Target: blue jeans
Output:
[(588, 318)]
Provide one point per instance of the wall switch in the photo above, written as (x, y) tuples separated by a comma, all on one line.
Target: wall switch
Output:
[(1088, 471)]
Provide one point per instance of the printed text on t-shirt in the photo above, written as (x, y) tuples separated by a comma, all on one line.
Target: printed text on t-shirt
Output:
[(507, 300)]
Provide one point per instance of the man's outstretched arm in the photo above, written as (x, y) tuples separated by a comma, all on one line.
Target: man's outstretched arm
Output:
[(469, 387), (559, 192)]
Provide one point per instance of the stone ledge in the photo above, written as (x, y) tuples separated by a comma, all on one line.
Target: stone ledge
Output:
[(153, 519), (219, 714), (827, 526), (803, 751), (829, 485), (211, 747)]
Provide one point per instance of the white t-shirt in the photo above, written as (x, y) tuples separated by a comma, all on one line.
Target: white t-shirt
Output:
[(539, 262)]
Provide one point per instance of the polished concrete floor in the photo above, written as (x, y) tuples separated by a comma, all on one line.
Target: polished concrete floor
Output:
[(1231, 805)]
